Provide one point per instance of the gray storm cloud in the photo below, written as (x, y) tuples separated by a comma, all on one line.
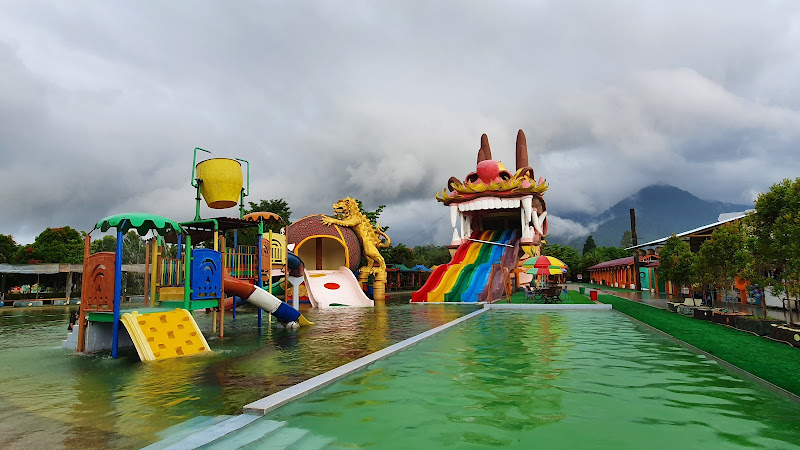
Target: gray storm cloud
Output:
[(102, 103)]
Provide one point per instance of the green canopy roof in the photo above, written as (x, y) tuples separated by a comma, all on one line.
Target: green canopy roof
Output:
[(141, 221)]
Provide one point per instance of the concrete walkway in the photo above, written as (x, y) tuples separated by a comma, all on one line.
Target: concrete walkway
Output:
[(660, 301)]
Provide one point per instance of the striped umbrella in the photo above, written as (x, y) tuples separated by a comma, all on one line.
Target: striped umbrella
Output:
[(543, 262), (552, 270)]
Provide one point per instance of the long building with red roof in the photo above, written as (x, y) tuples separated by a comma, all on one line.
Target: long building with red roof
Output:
[(620, 272)]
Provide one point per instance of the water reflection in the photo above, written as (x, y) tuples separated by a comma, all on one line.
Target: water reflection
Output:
[(53, 399), (528, 380)]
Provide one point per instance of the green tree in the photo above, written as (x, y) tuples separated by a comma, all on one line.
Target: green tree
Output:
[(566, 254), (249, 236), (372, 215), (8, 248), (58, 245), (627, 240), (775, 227), (588, 260), (610, 253), (677, 263), (399, 254), (589, 245), (24, 255), (134, 248), (724, 257), (431, 255), (107, 243), (278, 206)]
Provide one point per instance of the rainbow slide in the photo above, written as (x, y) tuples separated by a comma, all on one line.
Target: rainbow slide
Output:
[(483, 271), (442, 280), (466, 277), (327, 288), (286, 315)]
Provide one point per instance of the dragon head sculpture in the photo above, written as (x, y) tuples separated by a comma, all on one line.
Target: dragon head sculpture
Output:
[(493, 197)]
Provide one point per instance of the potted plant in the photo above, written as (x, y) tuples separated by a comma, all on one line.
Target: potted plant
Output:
[(758, 325), (786, 333)]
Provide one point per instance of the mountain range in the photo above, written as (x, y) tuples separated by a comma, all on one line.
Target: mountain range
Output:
[(661, 210)]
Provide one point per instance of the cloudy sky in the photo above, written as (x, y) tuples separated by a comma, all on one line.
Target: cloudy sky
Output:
[(101, 103)]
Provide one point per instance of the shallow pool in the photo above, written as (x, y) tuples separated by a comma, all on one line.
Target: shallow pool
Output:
[(567, 379), (52, 399)]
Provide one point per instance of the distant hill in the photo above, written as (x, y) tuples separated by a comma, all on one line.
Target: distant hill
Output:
[(661, 210)]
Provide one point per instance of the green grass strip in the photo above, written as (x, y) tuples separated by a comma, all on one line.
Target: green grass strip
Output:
[(573, 298), (590, 286), (770, 360)]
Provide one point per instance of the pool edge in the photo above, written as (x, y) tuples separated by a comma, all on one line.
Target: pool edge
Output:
[(264, 405), (552, 307), (773, 387)]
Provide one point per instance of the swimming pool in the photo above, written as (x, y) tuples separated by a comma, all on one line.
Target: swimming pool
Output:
[(566, 379), (52, 399)]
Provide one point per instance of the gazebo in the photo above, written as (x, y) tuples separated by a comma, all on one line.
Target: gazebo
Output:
[(400, 277)]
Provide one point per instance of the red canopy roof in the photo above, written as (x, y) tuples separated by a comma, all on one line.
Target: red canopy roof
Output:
[(646, 261)]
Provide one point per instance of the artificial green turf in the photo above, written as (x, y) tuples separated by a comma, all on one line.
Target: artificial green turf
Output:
[(773, 361), (572, 298), (589, 286)]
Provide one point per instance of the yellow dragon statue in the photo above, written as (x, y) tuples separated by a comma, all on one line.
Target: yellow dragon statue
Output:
[(348, 214)]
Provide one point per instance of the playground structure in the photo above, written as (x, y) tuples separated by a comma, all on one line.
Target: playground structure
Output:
[(495, 215), (193, 279), (332, 248)]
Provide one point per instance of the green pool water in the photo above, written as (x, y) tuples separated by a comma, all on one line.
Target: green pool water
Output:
[(566, 379), (51, 399)]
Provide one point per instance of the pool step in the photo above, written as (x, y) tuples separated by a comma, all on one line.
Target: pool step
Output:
[(251, 433), (311, 442), (283, 438), (180, 431), (235, 432)]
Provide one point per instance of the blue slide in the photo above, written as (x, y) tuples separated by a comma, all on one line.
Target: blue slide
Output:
[(481, 276)]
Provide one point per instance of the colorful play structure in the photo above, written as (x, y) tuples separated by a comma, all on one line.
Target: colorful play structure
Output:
[(494, 214), (195, 278), (332, 248)]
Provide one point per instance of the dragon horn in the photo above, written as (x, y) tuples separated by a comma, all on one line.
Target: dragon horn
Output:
[(485, 152), (522, 150)]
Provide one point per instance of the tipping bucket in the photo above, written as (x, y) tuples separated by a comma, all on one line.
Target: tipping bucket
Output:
[(221, 182)]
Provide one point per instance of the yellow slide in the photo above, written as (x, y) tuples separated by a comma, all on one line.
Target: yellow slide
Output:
[(448, 280), (161, 335), (451, 276)]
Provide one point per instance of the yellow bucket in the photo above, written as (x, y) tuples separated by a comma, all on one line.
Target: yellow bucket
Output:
[(221, 182)]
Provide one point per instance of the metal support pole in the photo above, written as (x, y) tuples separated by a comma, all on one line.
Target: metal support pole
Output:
[(187, 274), (245, 191), (117, 294), (635, 241), (235, 263), (260, 281), (146, 287), (196, 182)]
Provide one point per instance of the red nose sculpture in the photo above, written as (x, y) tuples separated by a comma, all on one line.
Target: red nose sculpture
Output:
[(488, 171)]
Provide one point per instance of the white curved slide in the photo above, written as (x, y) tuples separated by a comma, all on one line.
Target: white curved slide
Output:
[(264, 300), (328, 288)]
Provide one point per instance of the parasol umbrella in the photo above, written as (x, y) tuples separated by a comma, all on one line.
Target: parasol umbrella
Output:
[(266, 217), (551, 270), (543, 262), (140, 221)]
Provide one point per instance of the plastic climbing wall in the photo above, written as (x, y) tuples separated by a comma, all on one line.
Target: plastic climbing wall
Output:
[(163, 335)]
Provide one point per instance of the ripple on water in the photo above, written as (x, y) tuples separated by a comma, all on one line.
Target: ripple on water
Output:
[(100, 402), (527, 379)]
